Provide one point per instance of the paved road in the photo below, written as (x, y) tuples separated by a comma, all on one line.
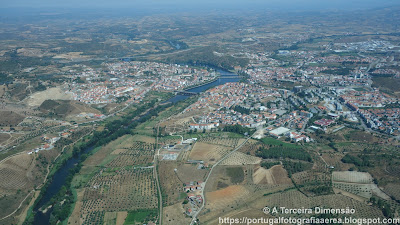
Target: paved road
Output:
[(156, 176)]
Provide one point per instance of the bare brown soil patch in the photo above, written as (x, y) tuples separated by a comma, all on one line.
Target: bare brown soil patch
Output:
[(361, 136), (16, 171), (169, 182), (144, 138), (175, 214), (210, 153), (121, 216), (98, 157), (52, 93), (19, 174), (9, 118), (263, 176), (189, 172), (239, 158), (275, 175), (230, 192), (4, 137), (66, 108), (75, 216), (280, 175), (227, 197)]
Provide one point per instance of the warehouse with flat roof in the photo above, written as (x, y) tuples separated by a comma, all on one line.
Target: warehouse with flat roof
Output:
[(279, 131)]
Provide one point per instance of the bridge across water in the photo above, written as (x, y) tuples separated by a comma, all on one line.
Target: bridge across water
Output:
[(186, 93), (229, 77)]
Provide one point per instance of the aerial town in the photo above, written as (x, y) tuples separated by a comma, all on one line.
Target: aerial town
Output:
[(218, 117), (319, 91)]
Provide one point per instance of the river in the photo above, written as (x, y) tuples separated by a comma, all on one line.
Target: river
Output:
[(59, 178), (219, 81)]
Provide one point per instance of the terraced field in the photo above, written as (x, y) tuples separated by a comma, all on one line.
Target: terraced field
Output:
[(358, 183)]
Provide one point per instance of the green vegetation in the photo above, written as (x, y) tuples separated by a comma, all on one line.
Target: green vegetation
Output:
[(182, 195), (295, 167), (141, 216), (384, 206), (274, 142), (122, 99), (63, 200), (241, 109), (359, 161), (206, 56), (341, 71), (79, 80), (392, 105), (278, 150), (236, 174), (13, 62), (321, 190), (360, 89), (180, 45), (238, 129), (4, 78), (280, 191), (389, 84), (268, 165)]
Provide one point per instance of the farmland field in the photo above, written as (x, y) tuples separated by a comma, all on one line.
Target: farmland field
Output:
[(239, 158), (119, 190), (358, 183), (227, 197), (393, 190), (9, 118), (19, 175), (208, 152), (174, 214), (170, 183), (274, 175), (4, 137), (190, 172), (290, 199), (116, 181)]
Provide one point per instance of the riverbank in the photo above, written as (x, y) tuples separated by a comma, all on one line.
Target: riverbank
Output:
[(201, 84), (201, 88), (58, 189), (61, 179)]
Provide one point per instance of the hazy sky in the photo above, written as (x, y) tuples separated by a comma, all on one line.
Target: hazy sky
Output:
[(312, 4)]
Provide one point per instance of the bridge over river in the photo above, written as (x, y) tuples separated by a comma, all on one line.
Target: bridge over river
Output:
[(186, 93)]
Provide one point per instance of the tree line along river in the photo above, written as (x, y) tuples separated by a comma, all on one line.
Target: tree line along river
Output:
[(63, 176)]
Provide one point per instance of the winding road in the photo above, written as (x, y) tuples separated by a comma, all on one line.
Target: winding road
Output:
[(194, 219)]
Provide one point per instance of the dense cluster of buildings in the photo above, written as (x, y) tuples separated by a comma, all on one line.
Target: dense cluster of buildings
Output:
[(294, 120), (385, 120), (326, 89), (222, 100), (366, 99), (364, 46), (309, 68), (131, 81)]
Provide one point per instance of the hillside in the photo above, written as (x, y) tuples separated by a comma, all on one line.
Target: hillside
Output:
[(9, 118), (64, 108)]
